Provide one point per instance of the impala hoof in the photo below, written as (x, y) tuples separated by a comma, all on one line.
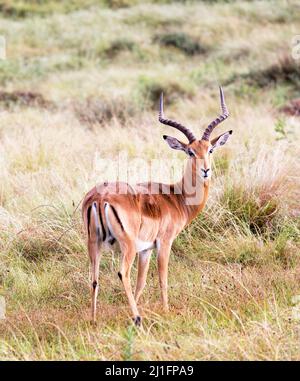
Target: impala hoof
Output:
[(137, 321)]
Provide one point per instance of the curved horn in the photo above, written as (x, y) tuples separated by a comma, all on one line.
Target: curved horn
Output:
[(219, 119), (188, 133)]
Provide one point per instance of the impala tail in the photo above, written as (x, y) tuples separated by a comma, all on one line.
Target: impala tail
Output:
[(96, 232)]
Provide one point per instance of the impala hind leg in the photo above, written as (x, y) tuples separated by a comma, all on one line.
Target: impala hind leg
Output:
[(163, 262), (128, 255), (143, 267), (95, 256)]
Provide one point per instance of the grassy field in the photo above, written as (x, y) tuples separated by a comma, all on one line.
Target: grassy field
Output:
[(81, 81)]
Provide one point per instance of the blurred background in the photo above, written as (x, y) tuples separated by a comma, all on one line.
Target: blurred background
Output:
[(81, 79)]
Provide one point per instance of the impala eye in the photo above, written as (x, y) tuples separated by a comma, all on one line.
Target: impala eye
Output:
[(211, 150)]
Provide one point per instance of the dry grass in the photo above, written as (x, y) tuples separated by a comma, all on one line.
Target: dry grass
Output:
[(71, 96)]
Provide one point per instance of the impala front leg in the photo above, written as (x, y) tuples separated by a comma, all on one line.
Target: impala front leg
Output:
[(163, 262)]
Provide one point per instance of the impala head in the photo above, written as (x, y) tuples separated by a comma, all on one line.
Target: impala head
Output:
[(198, 149)]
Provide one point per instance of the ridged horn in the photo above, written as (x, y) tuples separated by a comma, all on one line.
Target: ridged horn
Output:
[(219, 119), (188, 133)]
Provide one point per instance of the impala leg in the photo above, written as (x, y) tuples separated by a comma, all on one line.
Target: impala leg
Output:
[(94, 254), (163, 262), (128, 256), (143, 267)]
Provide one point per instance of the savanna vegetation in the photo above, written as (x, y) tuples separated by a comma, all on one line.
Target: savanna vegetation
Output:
[(81, 81)]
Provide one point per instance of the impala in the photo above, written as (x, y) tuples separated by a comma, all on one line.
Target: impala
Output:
[(140, 219)]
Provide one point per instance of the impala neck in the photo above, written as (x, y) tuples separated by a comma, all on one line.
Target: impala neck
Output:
[(194, 189)]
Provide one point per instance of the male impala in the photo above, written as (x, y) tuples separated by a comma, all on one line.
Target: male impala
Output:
[(140, 219)]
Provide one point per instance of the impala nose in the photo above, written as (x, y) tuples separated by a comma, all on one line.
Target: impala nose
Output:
[(205, 172)]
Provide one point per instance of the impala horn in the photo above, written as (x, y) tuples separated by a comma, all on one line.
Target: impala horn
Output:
[(219, 119), (188, 133)]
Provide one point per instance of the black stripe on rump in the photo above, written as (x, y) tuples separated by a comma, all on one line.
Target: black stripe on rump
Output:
[(102, 225), (89, 218), (117, 217)]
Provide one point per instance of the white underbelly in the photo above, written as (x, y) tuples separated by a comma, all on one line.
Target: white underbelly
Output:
[(144, 245)]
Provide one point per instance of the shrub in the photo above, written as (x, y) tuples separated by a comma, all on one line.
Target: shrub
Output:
[(292, 108), (285, 71), (182, 42), (22, 9), (23, 98), (97, 111), (150, 90), (120, 3), (117, 46)]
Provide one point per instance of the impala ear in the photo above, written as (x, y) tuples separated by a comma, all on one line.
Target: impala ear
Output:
[(175, 143), (220, 140)]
